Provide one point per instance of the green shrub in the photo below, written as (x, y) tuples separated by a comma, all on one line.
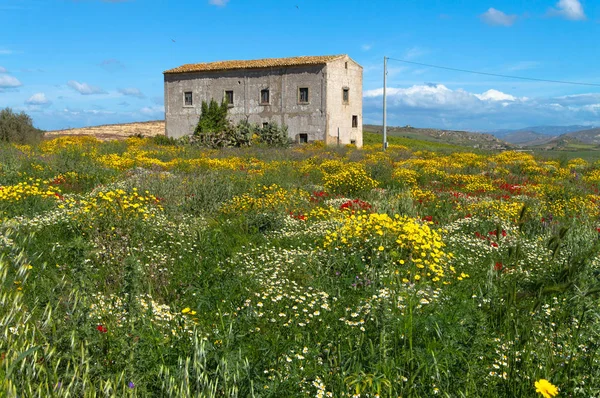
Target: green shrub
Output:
[(18, 127), (163, 140), (274, 135), (213, 118)]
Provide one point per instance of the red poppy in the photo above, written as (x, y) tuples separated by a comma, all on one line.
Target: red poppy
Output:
[(101, 329), (494, 244), (355, 204), (481, 236), (498, 266), (318, 195), (298, 216)]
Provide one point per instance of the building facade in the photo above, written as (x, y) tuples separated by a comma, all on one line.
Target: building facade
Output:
[(318, 98)]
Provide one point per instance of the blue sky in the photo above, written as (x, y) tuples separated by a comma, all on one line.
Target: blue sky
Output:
[(71, 63)]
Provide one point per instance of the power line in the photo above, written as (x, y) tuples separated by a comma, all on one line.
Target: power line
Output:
[(495, 74)]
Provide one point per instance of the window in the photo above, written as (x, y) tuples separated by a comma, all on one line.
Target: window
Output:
[(303, 138), (346, 65), (354, 121), (303, 95), (264, 96), (229, 97), (346, 95), (187, 99), (352, 142), (265, 125)]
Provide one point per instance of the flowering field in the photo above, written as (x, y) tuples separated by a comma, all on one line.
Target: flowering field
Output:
[(137, 269)]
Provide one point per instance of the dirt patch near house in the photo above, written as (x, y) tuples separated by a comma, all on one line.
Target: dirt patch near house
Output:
[(109, 132)]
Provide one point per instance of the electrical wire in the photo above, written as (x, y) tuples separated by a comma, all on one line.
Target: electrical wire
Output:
[(494, 74)]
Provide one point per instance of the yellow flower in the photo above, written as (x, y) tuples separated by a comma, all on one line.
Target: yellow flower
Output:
[(185, 310), (381, 248), (547, 389)]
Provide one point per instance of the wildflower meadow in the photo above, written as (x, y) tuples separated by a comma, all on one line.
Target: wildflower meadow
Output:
[(142, 268)]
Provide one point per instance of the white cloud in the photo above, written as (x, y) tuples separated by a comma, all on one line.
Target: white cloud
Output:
[(434, 96), (5, 52), (99, 112), (593, 108), (495, 95), (438, 106), (437, 96), (3, 70), (220, 3), (132, 92), (497, 18), (7, 81), (38, 99), (569, 9), (366, 47), (153, 111), (84, 88)]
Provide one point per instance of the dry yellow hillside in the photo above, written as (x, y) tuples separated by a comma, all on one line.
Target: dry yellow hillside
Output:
[(114, 131)]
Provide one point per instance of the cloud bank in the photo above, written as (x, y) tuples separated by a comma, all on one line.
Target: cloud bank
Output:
[(132, 92), (436, 105), (569, 9), (84, 88), (497, 18), (38, 99)]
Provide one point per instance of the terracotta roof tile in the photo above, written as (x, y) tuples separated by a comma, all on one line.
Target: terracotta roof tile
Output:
[(254, 64)]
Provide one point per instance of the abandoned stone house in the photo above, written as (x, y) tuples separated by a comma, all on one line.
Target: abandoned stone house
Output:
[(318, 98)]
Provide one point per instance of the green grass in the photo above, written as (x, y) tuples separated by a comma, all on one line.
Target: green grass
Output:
[(415, 143), (203, 278), (567, 154)]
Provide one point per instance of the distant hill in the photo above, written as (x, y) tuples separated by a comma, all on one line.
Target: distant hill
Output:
[(538, 135), (554, 131), (591, 136), (565, 142), (114, 131), (527, 138), (454, 137), (577, 140)]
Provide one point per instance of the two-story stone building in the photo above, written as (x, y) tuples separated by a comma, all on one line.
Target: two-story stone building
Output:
[(318, 98)]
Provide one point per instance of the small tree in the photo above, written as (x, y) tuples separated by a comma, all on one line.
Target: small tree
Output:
[(18, 127), (213, 118)]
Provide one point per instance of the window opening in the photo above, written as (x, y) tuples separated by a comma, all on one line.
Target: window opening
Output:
[(188, 98), (303, 95)]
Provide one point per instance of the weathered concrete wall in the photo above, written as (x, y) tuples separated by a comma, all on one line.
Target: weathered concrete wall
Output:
[(246, 84), (344, 73)]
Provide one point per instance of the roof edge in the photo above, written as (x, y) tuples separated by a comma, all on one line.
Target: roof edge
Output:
[(263, 63)]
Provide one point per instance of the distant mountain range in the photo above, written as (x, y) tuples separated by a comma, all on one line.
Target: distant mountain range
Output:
[(543, 130), (550, 136), (553, 138), (453, 137)]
